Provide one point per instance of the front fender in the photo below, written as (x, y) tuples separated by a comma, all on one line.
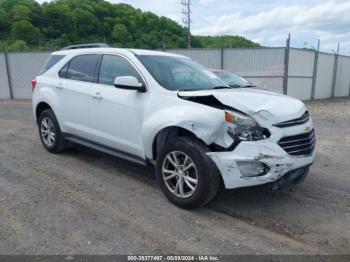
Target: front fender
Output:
[(205, 122)]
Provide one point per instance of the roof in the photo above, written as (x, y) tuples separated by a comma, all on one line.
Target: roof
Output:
[(117, 50)]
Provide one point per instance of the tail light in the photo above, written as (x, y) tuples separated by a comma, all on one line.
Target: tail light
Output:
[(33, 84)]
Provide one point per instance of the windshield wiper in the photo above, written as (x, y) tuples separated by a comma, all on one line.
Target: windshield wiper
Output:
[(222, 87), (189, 90), (235, 86), (241, 86)]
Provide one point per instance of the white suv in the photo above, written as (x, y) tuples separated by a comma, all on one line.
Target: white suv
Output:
[(165, 109)]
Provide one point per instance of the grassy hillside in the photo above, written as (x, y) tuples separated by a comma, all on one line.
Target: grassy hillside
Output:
[(27, 25)]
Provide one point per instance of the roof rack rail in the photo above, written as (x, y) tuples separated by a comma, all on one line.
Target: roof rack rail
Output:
[(93, 45)]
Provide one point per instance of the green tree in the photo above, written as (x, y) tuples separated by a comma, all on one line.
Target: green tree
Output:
[(120, 34), (225, 41), (4, 24), (18, 45), (24, 30), (85, 23), (20, 12), (63, 22)]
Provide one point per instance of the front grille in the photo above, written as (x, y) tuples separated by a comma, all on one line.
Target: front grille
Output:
[(299, 145), (295, 122)]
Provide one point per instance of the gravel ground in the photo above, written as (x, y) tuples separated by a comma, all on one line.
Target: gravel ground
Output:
[(86, 202)]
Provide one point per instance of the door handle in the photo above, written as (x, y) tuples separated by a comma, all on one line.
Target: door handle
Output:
[(60, 86), (97, 96)]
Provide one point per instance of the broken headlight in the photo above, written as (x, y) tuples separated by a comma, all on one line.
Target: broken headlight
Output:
[(244, 128)]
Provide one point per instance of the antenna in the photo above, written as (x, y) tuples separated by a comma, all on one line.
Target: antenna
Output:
[(186, 11)]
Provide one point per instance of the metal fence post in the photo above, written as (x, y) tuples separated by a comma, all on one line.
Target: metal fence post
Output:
[(286, 66), (7, 67), (222, 58), (314, 74), (222, 53), (335, 69)]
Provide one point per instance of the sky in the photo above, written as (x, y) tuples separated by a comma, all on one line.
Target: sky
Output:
[(267, 22)]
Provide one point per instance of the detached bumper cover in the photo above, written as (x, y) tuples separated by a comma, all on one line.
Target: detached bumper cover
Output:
[(292, 177), (264, 151)]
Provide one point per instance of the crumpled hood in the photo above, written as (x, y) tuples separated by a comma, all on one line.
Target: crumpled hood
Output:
[(268, 106)]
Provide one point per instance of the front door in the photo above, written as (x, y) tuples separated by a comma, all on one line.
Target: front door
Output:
[(116, 115)]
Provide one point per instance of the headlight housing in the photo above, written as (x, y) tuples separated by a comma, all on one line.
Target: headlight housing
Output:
[(244, 128)]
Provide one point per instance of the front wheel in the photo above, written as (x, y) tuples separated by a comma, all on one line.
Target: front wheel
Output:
[(186, 174)]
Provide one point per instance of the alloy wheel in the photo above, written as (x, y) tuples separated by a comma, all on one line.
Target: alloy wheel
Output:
[(180, 174), (47, 131)]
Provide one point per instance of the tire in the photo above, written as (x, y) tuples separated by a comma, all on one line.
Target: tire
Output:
[(48, 121), (208, 176)]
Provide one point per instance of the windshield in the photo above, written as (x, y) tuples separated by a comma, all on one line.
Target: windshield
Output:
[(180, 74), (233, 80)]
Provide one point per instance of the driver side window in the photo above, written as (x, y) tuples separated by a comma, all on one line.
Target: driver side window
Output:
[(113, 66)]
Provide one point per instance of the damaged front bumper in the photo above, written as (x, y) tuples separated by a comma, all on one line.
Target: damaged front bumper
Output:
[(278, 163)]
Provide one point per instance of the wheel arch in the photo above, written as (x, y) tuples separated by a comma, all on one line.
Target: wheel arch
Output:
[(40, 108), (167, 133), (186, 118)]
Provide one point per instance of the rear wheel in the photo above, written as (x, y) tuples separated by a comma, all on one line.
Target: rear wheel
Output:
[(186, 174), (50, 132)]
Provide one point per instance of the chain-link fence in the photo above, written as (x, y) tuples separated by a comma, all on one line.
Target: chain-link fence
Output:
[(301, 73)]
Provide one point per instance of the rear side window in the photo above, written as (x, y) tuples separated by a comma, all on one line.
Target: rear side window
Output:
[(81, 68), (50, 62)]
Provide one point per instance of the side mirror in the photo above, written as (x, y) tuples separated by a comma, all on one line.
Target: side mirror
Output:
[(130, 83)]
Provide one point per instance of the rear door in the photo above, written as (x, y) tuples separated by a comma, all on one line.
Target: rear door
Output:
[(74, 85)]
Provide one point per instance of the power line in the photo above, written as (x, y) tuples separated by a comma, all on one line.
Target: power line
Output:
[(187, 19)]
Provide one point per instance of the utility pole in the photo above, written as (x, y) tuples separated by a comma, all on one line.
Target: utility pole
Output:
[(187, 20)]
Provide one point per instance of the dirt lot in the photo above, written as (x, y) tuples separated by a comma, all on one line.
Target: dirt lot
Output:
[(85, 202)]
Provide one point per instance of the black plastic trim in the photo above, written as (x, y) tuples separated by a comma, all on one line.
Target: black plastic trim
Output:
[(299, 145), (92, 45), (295, 122), (105, 149)]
